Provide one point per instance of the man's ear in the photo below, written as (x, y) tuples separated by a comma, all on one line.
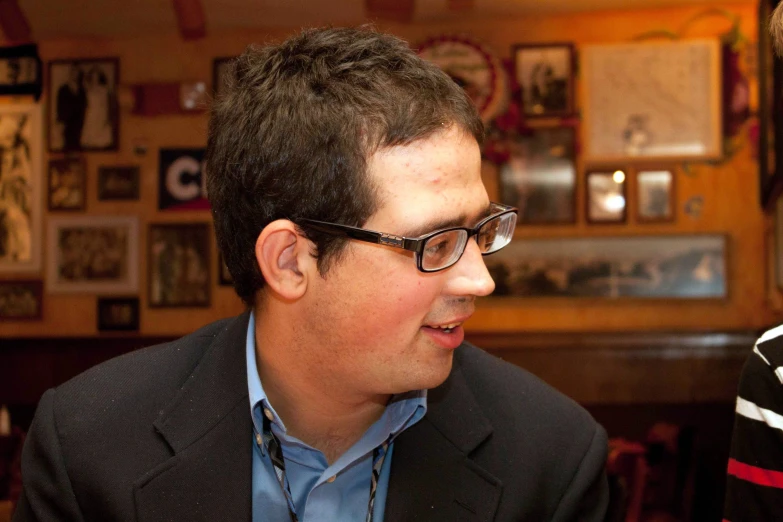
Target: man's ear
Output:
[(283, 256)]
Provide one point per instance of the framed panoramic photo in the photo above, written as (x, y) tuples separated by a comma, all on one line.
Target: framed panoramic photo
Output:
[(118, 314), (539, 177), (21, 184), (118, 182), (179, 265), (66, 187), (20, 300), (606, 197), (655, 194), (671, 267), (83, 109), (93, 254), (545, 75)]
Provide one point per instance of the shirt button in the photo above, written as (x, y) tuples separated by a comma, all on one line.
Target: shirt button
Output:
[(268, 414), (331, 479)]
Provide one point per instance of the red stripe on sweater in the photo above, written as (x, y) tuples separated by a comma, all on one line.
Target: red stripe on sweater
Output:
[(756, 475)]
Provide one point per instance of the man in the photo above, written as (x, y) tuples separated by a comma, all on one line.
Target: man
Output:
[(344, 176), (754, 484), (71, 109)]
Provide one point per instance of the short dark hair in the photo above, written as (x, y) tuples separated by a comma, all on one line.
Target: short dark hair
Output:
[(776, 28), (294, 126)]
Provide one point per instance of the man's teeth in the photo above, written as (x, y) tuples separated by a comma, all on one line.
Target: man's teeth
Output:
[(446, 326)]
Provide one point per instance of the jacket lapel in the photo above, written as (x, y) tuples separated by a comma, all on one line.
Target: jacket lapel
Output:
[(208, 427), (432, 478)]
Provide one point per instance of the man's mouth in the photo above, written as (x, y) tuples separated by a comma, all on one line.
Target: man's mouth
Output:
[(447, 328)]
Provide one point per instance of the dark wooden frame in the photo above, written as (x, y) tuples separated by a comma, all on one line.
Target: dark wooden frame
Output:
[(672, 193), (604, 172), (571, 95), (36, 285), (53, 105), (770, 111), (104, 326), (103, 172), (54, 161), (205, 228)]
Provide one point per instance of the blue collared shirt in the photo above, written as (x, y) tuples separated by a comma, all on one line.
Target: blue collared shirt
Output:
[(323, 492)]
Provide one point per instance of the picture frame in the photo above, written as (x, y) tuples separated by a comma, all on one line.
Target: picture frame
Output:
[(67, 184), (671, 267), (655, 194), (621, 124), (220, 68), (545, 75), (119, 182), (92, 254), (21, 71), (224, 276), (770, 113), (179, 265), (21, 188), (606, 196), (540, 177), (83, 106), (21, 300), (118, 314)]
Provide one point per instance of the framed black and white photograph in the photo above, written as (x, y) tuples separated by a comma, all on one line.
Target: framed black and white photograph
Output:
[(118, 182), (83, 109), (179, 265), (540, 177), (20, 300), (669, 267), (606, 196), (655, 194), (66, 188), (220, 70), (224, 276), (93, 254), (21, 185), (118, 314), (21, 71), (545, 75)]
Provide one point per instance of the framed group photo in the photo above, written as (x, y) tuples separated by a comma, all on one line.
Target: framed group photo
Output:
[(118, 183), (92, 254), (545, 75), (539, 177), (67, 189), (606, 196), (20, 300), (83, 108), (118, 314), (179, 265), (21, 184)]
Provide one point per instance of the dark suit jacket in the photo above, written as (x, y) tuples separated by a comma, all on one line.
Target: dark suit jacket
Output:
[(164, 434)]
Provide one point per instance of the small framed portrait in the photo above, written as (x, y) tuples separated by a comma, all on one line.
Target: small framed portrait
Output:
[(67, 189), (224, 276), (655, 194), (92, 254), (83, 109), (118, 314), (20, 300), (540, 177), (118, 182), (220, 70), (179, 265), (606, 196), (545, 75)]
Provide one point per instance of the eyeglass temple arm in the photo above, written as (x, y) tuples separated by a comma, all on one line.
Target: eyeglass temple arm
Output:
[(361, 234)]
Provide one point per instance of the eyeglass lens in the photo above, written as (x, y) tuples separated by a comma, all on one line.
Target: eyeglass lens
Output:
[(444, 249)]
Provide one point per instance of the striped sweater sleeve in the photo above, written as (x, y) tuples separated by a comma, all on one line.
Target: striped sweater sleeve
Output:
[(754, 484)]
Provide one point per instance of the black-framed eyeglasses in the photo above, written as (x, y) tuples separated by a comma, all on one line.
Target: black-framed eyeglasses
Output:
[(440, 249)]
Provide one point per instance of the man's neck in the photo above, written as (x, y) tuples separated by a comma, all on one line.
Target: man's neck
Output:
[(326, 417)]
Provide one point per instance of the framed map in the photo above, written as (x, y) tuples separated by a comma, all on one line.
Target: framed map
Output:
[(657, 100)]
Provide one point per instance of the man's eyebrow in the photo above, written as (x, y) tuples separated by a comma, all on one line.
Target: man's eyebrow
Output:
[(462, 220)]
